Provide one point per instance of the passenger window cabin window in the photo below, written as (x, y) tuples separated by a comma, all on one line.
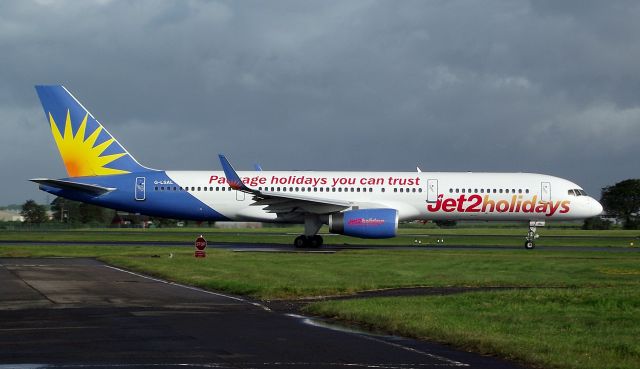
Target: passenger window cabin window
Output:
[(457, 190), (475, 190), (451, 190), (520, 190), (395, 190), (420, 189), (156, 188), (463, 190), (371, 190), (469, 191), (482, 190), (501, 190), (527, 190), (382, 189)]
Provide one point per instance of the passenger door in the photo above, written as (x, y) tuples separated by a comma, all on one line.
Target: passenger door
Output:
[(140, 191), (545, 192), (432, 190)]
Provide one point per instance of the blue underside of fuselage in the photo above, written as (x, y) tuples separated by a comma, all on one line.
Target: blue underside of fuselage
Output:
[(168, 204)]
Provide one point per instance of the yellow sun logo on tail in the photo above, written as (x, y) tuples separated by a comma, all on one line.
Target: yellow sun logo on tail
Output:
[(80, 156)]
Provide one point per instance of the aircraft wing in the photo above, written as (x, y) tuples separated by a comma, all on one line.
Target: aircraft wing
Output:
[(276, 202), (75, 186)]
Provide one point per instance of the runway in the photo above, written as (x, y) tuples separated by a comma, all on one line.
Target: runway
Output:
[(79, 313), (272, 247)]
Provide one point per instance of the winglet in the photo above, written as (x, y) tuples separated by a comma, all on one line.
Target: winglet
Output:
[(233, 179), (257, 167)]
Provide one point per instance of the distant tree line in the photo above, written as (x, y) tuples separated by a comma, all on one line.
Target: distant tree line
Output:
[(34, 213), (78, 213), (620, 201)]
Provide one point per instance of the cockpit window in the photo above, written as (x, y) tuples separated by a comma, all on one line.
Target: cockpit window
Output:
[(577, 192)]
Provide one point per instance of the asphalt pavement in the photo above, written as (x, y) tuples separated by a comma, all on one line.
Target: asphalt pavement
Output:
[(81, 313)]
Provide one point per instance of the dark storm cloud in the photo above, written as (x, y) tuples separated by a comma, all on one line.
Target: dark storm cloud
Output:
[(545, 86)]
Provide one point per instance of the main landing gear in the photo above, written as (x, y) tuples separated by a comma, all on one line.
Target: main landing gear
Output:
[(303, 241), (310, 238), (529, 242)]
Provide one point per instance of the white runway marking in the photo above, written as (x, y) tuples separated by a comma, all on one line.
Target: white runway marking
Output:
[(372, 337), (188, 287)]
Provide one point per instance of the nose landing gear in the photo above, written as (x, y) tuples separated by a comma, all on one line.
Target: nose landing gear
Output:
[(529, 242)]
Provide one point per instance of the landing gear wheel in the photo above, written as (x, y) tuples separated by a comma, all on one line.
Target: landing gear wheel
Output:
[(300, 242), (529, 245), (307, 241), (315, 241)]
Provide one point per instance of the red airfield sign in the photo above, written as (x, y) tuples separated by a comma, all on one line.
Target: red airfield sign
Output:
[(201, 245)]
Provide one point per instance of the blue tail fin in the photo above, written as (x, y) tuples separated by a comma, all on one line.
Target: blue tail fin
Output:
[(86, 147)]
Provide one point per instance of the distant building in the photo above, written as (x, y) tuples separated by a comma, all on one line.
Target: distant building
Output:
[(10, 216)]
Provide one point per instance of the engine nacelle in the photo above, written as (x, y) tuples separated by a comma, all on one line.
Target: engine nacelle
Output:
[(365, 223)]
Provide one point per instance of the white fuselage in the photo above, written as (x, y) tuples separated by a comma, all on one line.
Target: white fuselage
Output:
[(416, 196)]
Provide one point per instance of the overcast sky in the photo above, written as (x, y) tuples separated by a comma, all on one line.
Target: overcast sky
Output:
[(533, 86)]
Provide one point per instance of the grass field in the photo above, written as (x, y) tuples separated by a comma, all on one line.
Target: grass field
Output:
[(582, 309), (583, 328)]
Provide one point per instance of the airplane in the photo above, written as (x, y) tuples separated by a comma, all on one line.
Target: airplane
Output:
[(358, 204)]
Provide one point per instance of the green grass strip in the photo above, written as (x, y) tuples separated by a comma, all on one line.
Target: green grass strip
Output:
[(556, 328), (294, 275)]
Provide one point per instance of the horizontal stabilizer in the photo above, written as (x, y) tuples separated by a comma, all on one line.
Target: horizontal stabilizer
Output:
[(74, 186)]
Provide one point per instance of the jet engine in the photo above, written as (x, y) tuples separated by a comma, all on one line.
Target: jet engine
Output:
[(365, 223)]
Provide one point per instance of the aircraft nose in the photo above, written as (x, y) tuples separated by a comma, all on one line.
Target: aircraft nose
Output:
[(596, 207)]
